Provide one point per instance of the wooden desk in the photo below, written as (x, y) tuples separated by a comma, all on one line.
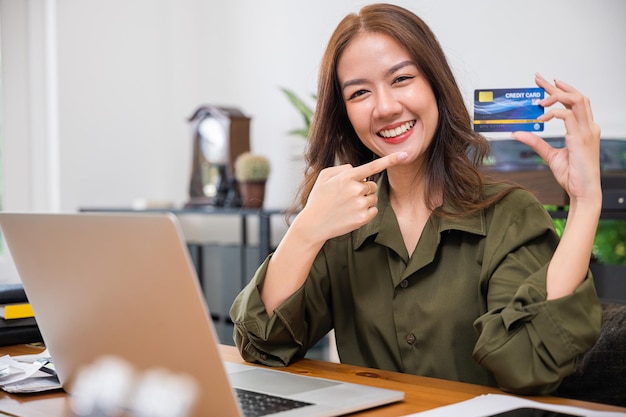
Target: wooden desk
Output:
[(421, 393)]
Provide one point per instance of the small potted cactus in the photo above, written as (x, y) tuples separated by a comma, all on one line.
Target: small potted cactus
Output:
[(251, 172)]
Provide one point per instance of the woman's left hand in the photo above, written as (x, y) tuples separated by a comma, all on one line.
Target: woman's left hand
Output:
[(576, 166)]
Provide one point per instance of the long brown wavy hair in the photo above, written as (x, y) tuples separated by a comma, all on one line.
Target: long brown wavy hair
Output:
[(456, 150)]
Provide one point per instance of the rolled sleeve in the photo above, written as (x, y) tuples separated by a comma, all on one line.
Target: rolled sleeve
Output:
[(529, 343), (276, 340)]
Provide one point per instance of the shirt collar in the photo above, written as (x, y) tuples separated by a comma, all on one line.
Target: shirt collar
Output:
[(385, 221)]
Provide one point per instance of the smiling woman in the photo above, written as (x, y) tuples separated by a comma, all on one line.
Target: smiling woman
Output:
[(431, 267)]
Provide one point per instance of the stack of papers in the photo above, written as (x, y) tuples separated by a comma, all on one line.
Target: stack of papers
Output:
[(27, 374)]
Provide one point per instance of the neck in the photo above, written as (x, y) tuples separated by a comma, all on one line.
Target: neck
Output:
[(407, 189), (406, 185), (407, 198)]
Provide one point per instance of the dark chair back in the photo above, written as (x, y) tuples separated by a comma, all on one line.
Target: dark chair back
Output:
[(601, 373)]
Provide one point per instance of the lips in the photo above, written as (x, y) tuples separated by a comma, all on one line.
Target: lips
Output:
[(396, 134)]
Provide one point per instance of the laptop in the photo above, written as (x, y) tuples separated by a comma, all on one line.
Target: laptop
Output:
[(123, 285)]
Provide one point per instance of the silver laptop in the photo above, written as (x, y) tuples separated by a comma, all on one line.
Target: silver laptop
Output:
[(123, 285)]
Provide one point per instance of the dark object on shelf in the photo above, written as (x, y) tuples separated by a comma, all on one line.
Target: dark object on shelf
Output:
[(17, 331), (514, 161), (220, 134), (610, 282), (540, 182), (614, 190)]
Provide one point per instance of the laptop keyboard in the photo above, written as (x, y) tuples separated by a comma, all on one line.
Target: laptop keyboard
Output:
[(256, 404)]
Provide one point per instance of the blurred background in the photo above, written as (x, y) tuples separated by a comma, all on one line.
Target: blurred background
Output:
[(96, 94)]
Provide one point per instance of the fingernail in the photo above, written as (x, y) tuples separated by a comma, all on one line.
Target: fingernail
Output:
[(402, 156), (537, 75)]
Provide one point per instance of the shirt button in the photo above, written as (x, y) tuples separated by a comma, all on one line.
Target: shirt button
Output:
[(263, 356), (410, 339), (404, 283)]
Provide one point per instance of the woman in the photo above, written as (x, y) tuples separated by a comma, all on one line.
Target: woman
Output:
[(419, 263)]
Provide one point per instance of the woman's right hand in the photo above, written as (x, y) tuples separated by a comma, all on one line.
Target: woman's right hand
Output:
[(342, 199)]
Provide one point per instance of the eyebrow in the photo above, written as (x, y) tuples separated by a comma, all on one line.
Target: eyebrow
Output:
[(390, 71)]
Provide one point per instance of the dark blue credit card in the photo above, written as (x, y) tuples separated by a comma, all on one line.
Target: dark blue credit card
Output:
[(508, 110)]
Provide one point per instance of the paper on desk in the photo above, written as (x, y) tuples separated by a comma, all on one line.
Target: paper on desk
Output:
[(489, 404), (31, 385), (21, 374), (18, 370)]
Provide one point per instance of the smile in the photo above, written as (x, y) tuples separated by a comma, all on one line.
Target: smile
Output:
[(391, 133)]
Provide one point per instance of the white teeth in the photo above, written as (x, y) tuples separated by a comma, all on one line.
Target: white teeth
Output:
[(390, 133)]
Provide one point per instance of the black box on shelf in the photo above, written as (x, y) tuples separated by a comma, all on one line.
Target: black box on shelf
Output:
[(21, 330)]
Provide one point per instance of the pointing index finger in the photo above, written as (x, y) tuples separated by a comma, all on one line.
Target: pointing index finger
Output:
[(378, 165)]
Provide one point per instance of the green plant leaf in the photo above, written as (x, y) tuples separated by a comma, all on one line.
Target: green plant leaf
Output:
[(306, 112)]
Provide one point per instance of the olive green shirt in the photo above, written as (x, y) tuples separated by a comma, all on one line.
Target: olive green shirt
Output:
[(468, 305)]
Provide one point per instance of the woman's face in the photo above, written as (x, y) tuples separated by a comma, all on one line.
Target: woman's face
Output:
[(389, 102)]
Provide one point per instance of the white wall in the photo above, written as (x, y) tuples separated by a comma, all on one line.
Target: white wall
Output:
[(131, 71), (108, 85), (95, 93)]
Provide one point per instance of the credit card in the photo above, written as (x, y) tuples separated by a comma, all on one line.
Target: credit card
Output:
[(508, 110)]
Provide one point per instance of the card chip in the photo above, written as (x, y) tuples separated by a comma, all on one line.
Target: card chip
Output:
[(485, 96)]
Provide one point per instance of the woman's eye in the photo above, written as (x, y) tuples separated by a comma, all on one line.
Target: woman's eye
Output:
[(356, 94), (403, 78)]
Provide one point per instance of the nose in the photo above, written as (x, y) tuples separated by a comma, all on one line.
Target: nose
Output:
[(387, 104)]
